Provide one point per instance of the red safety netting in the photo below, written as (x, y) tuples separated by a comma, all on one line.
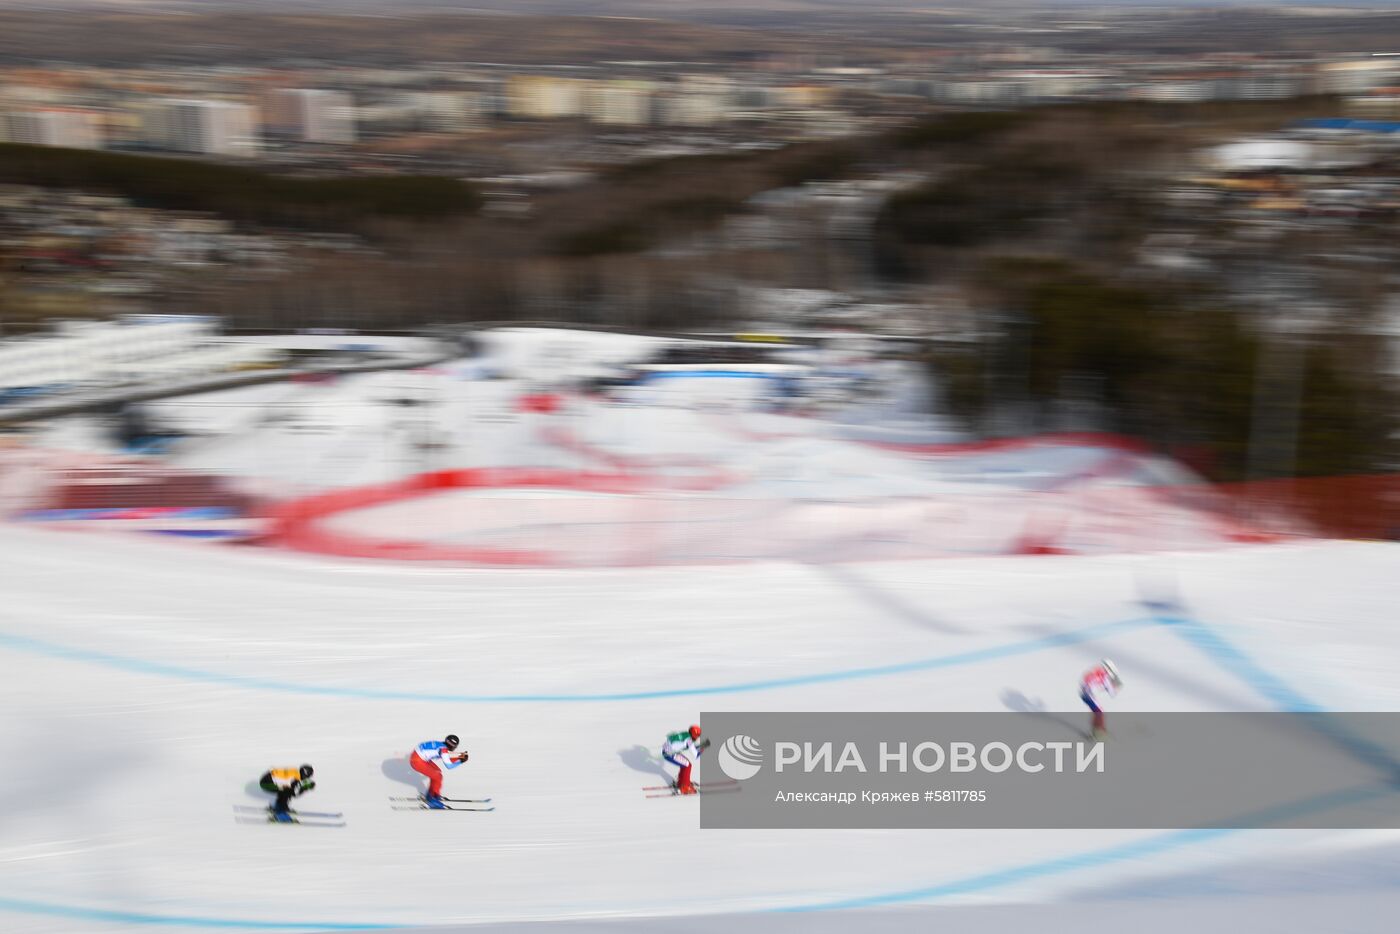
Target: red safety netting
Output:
[(613, 519), (304, 524)]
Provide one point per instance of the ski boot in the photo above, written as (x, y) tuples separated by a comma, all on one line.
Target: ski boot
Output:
[(433, 802)]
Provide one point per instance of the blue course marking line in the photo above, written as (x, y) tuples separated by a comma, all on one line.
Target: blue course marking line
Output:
[(1037, 870), (151, 667), (1279, 693), (1113, 854), (1137, 849), (1213, 644), (1234, 660), (113, 916), (1240, 664)]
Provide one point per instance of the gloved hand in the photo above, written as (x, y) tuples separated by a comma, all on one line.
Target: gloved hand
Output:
[(462, 756), (703, 744), (306, 787)]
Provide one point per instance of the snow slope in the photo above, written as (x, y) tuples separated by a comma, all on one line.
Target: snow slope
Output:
[(148, 683), (713, 484), (152, 682)]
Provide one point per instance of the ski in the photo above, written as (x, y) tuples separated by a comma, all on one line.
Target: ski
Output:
[(420, 806), (452, 800), (715, 784), (253, 809), (673, 793), (298, 822)]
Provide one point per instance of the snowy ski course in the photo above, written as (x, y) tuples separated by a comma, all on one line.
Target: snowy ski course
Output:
[(150, 682), (182, 673)]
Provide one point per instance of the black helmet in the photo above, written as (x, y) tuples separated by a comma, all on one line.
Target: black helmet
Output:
[(451, 740), (307, 771)]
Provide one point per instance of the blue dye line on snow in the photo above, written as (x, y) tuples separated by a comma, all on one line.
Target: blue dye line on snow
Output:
[(1037, 870), (1238, 663), (1213, 644), (151, 667), (1241, 665), (983, 882), (1281, 694), (1137, 849), (114, 916)]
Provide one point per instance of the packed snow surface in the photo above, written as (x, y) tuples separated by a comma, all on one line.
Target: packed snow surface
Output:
[(147, 683), (151, 682)]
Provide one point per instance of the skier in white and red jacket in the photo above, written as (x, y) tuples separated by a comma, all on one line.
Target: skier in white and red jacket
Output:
[(432, 759)]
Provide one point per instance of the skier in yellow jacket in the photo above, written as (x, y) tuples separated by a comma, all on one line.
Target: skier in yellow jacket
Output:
[(286, 784)]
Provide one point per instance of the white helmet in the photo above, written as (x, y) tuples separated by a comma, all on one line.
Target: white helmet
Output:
[(1109, 667)]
